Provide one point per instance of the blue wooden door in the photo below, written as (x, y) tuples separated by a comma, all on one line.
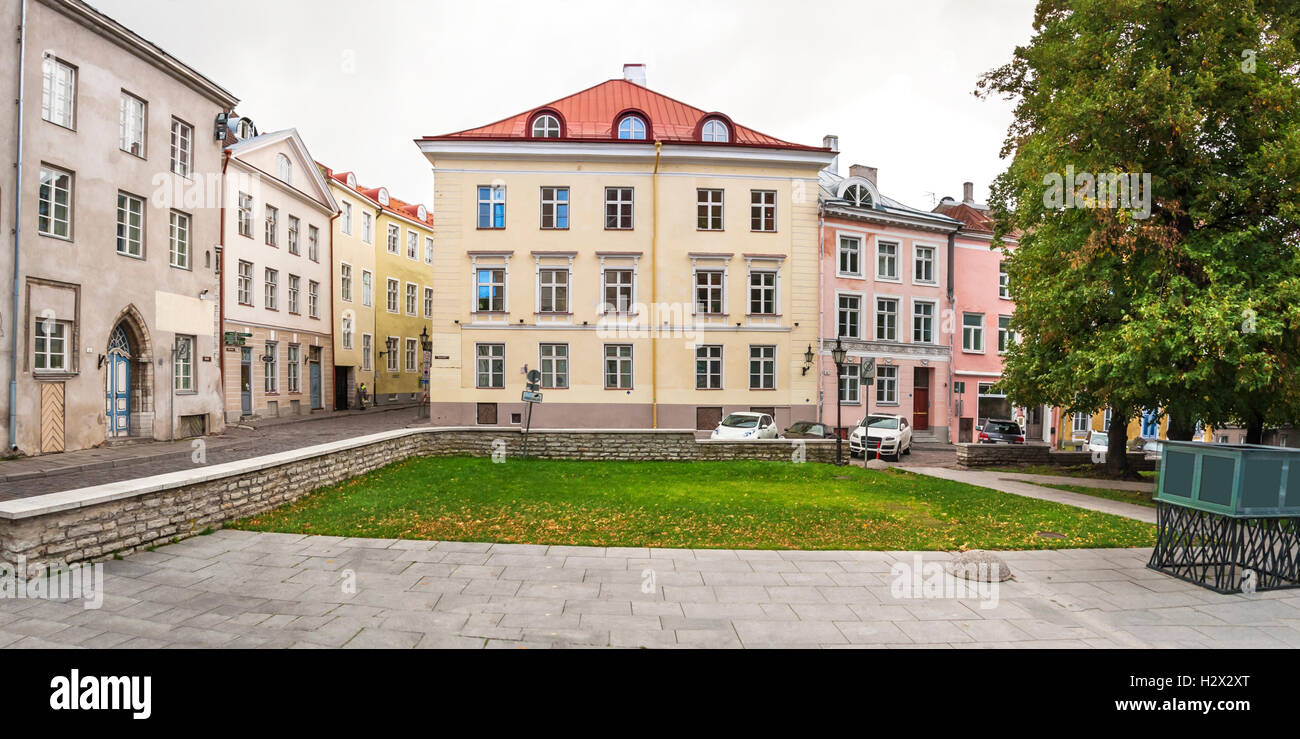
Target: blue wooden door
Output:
[(118, 400), (314, 369)]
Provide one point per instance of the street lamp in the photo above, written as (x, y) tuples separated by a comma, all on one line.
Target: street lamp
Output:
[(808, 359), (838, 355), (425, 343)]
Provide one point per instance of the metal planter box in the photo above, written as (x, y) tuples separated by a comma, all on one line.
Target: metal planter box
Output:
[(1237, 480)]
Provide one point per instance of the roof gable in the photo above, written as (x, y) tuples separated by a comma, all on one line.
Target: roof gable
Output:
[(307, 178)]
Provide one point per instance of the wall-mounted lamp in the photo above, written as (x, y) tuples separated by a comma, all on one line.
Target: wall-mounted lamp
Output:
[(99, 364), (807, 360), (425, 343)]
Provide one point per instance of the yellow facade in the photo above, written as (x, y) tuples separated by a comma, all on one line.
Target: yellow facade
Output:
[(662, 251), (354, 260), (400, 317)]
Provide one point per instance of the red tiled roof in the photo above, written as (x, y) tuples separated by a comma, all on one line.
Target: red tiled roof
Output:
[(974, 218), (401, 207), (590, 115)]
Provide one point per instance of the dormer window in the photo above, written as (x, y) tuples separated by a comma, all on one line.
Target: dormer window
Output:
[(422, 213), (352, 181), (383, 196), (632, 128), (715, 131), (858, 195), (546, 126), (283, 169)]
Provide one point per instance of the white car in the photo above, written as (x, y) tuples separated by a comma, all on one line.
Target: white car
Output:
[(879, 435), (1098, 441), (745, 425)]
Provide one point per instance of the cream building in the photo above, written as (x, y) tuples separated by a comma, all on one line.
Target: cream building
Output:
[(111, 215), (657, 264)]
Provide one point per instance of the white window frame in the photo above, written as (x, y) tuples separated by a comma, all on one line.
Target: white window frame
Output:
[(294, 287), (393, 238), (713, 210), (766, 365), (428, 302), (392, 295), (720, 289), (554, 366), (313, 243), (841, 252), (1005, 335), (1076, 428), (549, 289), (504, 284), (133, 116), (345, 217), (59, 92), (493, 359), (1004, 281), (898, 247), (545, 126), (412, 245), (271, 288), (42, 350), (917, 249), (183, 365), (775, 289), (412, 296), (367, 227), (52, 175), (410, 352), (245, 215), (244, 283), (428, 250), (392, 363), (933, 315), (555, 202), (762, 205), (271, 369), (614, 200), (616, 309), (861, 298), (179, 229), (850, 378), (367, 288), (367, 349), (970, 332), (295, 225), (313, 299), (714, 373), (182, 148), (877, 314), (629, 360), (887, 384), (272, 228), (347, 328), (496, 195), (138, 229), (293, 368)]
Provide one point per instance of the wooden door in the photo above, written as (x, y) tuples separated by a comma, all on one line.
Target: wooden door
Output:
[(707, 418), (118, 395), (52, 417), (921, 398)]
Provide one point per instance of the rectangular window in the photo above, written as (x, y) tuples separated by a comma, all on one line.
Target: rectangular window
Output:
[(1004, 281), (393, 289), (294, 283), (618, 291), (886, 319), (708, 292), (618, 366), (131, 124), (762, 210), (618, 208), (886, 260), (293, 235), (490, 286), (490, 365), (367, 227), (492, 206), (850, 383), (887, 383), (923, 323), (1005, 336), (367, 344), (553, 290), (367, 288), (313, 244), (346, 328), (271, 368), (179, 240), (246, 215), (411, 298), (555, 207), (762, 293), (850, 256), (428, 302), (183, 365), (244, 283), (345, 282), (294, 366), (762, 368), (391, 345), (51, 346), (1082, 423), (130, 225), (272, 288), (848, 321), (972, 332), (923, 269), (345, 217), (182, 149), (58, 92), (708, 209), (54, 217), (554, 359), (708, 367), (410, 354), (428, 250), (394, 239), (313, 299), (412, 245), (272, 226)]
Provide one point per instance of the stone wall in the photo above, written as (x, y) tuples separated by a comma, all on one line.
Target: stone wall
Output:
[(1010, 455), (96, 522)]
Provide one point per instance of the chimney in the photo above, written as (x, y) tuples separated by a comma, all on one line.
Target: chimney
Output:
[(833, 143), (968, 192), (866, 173), (634, 73)]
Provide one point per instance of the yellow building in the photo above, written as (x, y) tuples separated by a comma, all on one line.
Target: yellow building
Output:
[(383, 293), (657, 263)]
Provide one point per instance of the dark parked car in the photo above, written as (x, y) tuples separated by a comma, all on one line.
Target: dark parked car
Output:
[(1001, 431), (809, 430)]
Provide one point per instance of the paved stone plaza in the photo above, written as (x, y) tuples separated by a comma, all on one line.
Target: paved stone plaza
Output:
[(243, 589)]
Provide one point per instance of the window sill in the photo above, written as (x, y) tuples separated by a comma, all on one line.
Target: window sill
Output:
[(52, 375), (847, 276), (485, 228), (762, 315), (56, 237), (894, 280), (133, 155), (551, 313), (620, 228)]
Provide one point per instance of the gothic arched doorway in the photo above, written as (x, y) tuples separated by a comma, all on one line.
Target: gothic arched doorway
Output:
[(117, 394), (128, 378)]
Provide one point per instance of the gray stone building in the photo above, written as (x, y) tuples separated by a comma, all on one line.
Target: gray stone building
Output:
[(112, 219)]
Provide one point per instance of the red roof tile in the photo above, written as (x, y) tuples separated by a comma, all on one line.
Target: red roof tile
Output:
[(591, 115), (401, 207)]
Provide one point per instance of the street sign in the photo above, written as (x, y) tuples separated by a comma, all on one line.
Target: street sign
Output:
[(530, 397), (867, 370), (533, 385), (235, 338)]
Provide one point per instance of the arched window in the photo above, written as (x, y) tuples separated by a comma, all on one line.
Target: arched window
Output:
[(632, 128), (283, 169), (858, 195), (716, 131), (546, 126), (352, 181), (383, 196)]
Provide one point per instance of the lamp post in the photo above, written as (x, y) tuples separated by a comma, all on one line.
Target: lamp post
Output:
[(837, 356)]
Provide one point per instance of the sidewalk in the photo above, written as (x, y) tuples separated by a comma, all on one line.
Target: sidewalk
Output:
[(27, 476), (1006, 483)]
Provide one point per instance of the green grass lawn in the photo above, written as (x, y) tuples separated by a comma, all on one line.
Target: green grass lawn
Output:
[(1126, 496), (1077, 471), (756, 505)]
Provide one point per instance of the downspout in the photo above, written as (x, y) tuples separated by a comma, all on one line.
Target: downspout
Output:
[(221, 292), (18, 214), (821, 302), (952, 354), (654, 294)]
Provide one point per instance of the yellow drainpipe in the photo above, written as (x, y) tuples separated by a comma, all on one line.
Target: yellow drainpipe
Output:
[(654, 293)]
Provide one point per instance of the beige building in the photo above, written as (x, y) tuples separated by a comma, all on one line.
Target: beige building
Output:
[(277, 310), (657, 264), (110, 325)]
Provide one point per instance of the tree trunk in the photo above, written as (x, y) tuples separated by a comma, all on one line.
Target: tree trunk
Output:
[(1255, 429), (1181, 427), (1117, 444)]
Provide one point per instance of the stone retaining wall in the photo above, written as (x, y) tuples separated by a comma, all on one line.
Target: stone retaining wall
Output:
[(96, 522), (971, 456)]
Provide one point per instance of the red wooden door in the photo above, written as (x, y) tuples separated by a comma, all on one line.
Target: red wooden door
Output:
[(921, 398)]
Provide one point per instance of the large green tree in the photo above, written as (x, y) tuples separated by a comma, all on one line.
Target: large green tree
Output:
[(1187, 295)]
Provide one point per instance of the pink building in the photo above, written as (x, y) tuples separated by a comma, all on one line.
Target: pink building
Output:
[(886, 293), (982, 309)]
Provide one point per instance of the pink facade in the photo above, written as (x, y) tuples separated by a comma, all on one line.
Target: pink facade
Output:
[(885, 295)]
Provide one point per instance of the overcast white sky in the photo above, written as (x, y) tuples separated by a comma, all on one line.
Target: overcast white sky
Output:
[(360, 80)]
